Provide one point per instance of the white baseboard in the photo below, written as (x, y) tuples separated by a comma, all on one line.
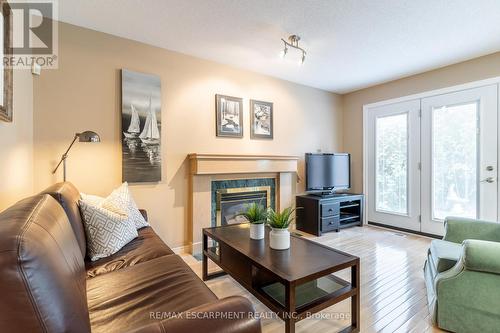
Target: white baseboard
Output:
[(194, 248), (186, 249)]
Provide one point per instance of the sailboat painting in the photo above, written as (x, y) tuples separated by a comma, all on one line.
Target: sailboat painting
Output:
[(135, 124), (141, 127)]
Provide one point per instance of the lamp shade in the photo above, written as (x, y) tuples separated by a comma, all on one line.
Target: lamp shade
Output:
[(89, 136)]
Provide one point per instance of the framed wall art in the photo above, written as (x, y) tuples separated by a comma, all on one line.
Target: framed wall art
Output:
[(6, 85), (229, 116), (141, 127), (261, 122)]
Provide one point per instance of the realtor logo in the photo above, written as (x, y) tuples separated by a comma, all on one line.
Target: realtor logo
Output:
[(31, 32)]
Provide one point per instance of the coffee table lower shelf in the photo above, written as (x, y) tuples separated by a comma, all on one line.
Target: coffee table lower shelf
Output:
[(309, 294)]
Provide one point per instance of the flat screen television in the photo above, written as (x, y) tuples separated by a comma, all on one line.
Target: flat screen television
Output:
[(328, 172)]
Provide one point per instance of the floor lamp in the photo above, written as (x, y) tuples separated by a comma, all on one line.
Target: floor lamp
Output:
[(87, 136)]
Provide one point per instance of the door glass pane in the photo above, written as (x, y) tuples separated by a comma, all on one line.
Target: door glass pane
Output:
[(391, 175), (454, 161)]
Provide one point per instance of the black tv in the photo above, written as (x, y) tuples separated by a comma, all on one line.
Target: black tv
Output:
[(327, 173)]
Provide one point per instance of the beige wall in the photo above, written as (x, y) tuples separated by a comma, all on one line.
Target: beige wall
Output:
[(468, 71), (16, 148), (84, 93)]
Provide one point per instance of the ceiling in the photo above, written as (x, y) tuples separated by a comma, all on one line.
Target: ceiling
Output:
[(350, 44)]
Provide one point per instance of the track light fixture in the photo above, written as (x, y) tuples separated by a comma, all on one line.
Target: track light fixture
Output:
[(293, 42)]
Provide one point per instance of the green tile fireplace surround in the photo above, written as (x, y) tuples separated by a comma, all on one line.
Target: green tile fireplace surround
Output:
[(241, 184)]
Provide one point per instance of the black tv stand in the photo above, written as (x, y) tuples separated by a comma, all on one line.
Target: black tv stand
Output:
[(320, 213)]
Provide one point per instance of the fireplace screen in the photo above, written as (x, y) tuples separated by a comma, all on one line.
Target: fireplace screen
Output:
[(233, 201)]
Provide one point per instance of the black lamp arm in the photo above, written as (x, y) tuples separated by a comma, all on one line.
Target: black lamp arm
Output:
[(65, 155)]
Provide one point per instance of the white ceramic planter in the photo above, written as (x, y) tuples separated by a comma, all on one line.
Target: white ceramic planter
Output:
[(279, 239), (257, 230)]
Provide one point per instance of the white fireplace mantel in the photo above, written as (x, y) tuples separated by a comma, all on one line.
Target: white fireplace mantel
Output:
[(205, 168), (213, 164)]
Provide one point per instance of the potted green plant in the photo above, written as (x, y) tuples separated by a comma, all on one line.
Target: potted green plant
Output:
[(279, 237), (257, 215)]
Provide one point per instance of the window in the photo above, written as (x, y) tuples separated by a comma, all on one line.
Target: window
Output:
[(392, 164)]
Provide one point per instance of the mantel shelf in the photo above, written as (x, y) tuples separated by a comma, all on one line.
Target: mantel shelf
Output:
[(199, 156), (212, 164)]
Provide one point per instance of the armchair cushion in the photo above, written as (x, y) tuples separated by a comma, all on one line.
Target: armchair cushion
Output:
[(481, 256), (444, 254), (458, 229)]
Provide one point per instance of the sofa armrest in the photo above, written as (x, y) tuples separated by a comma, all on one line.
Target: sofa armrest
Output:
[(233, 314), (458, 229), (481, 256), (144, 214)]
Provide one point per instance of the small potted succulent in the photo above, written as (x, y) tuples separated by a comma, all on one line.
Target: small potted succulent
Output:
[(279, 237), (257, 215)]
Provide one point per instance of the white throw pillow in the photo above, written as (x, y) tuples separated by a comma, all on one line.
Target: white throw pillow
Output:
[(107, 232), (95, 200), (120, 200), (92, 199)]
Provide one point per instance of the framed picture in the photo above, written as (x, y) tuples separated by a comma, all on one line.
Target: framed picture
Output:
[(5, 72), (141, 127), (229, 116), (261, 121)]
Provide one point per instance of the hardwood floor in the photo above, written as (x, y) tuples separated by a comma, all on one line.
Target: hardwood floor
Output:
[(393, 296)]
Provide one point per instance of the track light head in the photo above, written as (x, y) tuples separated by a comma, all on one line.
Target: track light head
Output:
[(284, 52)]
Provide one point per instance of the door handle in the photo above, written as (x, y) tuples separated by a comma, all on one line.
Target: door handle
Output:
[(488, 180)]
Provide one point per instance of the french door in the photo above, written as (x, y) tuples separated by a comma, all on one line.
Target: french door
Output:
[(393, 158), (459, 157), (433, 157)]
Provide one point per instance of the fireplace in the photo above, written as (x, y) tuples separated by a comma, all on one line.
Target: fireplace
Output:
[(231, 202), (231, 197), (212, 172)]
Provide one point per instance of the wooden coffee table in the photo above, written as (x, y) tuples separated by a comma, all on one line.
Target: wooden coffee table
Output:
[(293, 283)]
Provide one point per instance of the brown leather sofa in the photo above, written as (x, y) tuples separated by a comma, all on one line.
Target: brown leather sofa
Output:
[(48, 285)]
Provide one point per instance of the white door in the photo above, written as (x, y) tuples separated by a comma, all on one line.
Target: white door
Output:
[(459, 157), (393, 159)]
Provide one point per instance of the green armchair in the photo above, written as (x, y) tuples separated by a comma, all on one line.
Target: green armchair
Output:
[(462, 276)]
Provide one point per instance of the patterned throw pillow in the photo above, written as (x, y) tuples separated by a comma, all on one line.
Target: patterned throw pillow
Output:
[(107, 232), (120, 200)]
